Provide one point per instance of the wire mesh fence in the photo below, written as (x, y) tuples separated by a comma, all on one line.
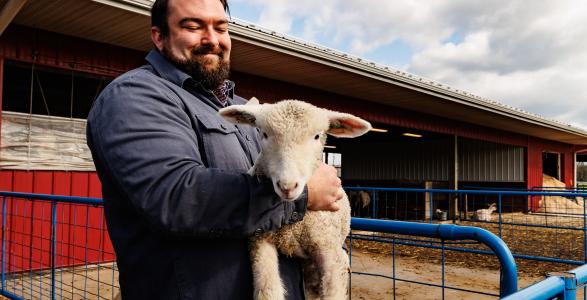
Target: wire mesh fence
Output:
[(56, 247), (547, 225)]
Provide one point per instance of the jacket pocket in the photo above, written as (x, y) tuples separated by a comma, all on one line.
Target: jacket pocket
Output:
[(221, 145)]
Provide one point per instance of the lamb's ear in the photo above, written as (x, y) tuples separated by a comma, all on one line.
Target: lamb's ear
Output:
[(346, 125), (253, 101), (241, 114)]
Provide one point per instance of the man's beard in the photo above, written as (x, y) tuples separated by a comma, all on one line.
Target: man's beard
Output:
[(210, 79)]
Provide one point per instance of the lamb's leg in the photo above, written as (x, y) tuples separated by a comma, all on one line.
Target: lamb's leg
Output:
[(312, 276), (265, 264), (334, 266)]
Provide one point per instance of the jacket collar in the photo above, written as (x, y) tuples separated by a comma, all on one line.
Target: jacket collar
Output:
[(166, 69)]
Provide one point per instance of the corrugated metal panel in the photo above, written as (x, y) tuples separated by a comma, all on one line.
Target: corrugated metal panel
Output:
[(482, 161), (271, 90), (90, 20), (403, 160), (55, 50), (83, 184)]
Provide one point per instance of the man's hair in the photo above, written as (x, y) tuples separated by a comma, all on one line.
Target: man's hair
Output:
[(159, 13)]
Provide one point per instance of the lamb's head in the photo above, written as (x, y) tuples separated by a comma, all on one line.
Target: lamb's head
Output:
[(293, 137)]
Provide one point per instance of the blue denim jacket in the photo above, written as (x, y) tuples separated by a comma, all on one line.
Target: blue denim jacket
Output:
[(179, 205)]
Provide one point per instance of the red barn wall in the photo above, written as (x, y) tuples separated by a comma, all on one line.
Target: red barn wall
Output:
[(1, 92), (80, 231), (55, 50), (272, 90)]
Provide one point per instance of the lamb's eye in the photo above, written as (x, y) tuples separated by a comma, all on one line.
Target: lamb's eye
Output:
[(317, 136), (265, 135)]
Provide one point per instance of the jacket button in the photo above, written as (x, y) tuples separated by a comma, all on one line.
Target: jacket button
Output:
[(258, 231), (248, 137)]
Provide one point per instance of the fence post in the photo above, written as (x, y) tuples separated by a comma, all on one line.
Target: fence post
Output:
[(570, 286), (3, 239), (584, 231), (499, 207), (431, 207), (53, 250), (374, 212)]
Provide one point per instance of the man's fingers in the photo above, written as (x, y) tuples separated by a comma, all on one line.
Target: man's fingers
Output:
[(334, 206), (339, 195)]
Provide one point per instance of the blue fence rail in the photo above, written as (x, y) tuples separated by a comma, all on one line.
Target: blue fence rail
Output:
[(58, 264)]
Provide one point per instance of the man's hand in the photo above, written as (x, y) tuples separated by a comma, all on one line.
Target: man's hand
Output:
[(324, 189)]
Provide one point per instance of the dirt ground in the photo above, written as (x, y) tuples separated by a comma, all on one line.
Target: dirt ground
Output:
[(418, 269), (363, 286), (467, 270), (421, 270)]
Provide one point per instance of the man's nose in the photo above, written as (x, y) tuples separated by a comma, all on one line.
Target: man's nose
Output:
[(210, 37)]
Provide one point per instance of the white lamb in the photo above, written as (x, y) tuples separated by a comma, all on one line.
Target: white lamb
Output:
[(485, 213), (294, 134)]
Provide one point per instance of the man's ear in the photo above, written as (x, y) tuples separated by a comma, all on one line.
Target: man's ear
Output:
[(346, 125), (157, 38), (242, 114)]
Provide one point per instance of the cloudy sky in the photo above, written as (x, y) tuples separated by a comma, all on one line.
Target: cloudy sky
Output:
[(528, 54)]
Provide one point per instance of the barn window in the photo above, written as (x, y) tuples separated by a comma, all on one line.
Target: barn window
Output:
[(43, 119), (49, 91)]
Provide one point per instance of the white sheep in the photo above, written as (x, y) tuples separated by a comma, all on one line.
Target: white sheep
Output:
[(293, 139), (485, 213)]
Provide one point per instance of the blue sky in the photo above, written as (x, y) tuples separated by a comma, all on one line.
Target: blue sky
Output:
[(532, 57)]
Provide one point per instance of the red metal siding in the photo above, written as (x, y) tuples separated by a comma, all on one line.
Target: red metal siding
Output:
[(82, 229), (534, 156), (55, 50), (273, 90), (1, 92)]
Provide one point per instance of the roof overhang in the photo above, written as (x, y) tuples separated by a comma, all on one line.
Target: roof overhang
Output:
[(265, 53)]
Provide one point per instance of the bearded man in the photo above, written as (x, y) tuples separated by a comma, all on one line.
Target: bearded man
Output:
[(178, 203)]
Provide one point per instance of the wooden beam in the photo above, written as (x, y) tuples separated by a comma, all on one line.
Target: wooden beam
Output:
[(9, 11)]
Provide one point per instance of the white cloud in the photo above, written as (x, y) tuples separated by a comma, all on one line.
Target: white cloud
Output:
[(531, 55)]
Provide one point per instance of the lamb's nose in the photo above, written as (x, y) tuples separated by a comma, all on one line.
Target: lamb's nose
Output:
[(287, 187)]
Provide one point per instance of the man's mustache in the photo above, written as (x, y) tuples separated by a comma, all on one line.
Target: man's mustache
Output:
[(208, 50)]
